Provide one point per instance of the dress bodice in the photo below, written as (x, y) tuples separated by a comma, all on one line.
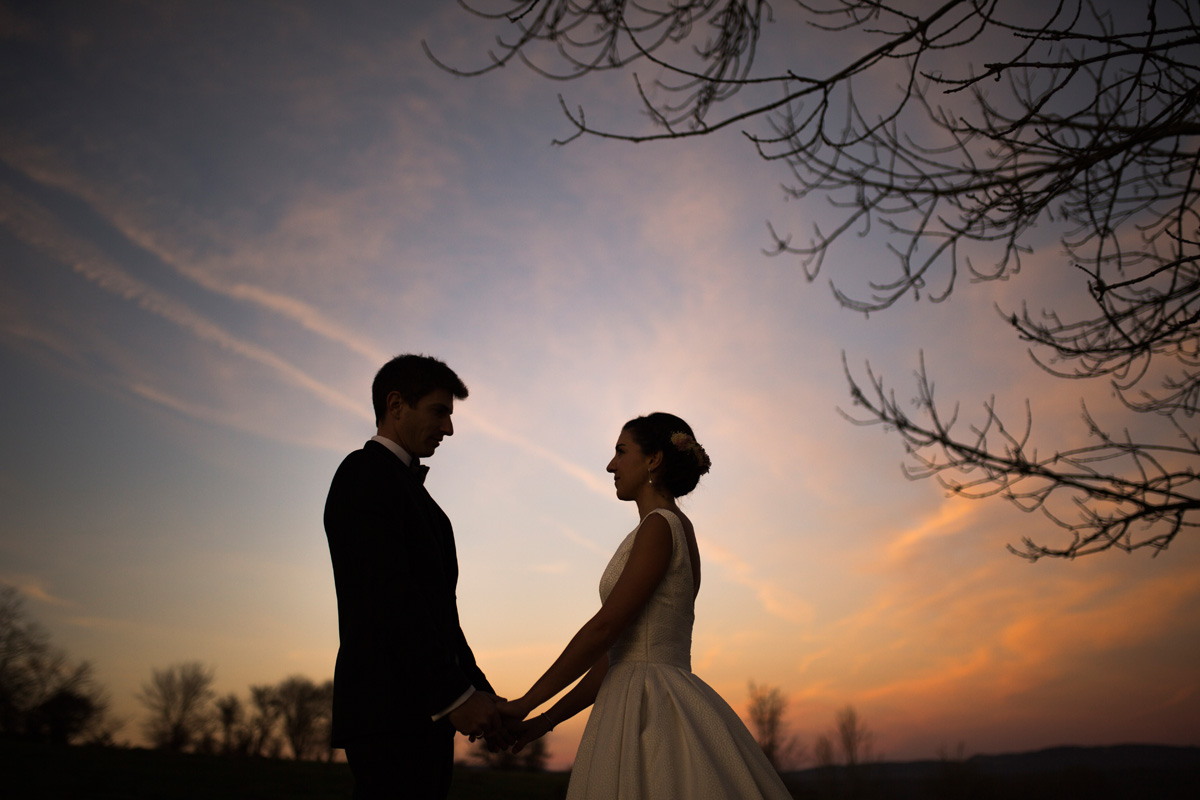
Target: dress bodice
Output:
[(662, 633)]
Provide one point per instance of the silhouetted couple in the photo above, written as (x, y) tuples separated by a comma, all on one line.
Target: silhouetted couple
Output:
[(406, 678)]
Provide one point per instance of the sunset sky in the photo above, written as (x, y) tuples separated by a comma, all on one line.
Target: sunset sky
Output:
[(217, 220)]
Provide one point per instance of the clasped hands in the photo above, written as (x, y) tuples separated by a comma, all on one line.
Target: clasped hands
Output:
[(499, 722)]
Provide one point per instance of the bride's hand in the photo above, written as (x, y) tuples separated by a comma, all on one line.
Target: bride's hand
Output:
[(528, 730), (513, 710)]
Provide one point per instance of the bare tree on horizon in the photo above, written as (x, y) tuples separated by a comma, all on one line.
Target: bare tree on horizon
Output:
[(532, 758), (44, 694), (842, 752), (178, 699), (1082, 116), (305, 710), (768, 704)]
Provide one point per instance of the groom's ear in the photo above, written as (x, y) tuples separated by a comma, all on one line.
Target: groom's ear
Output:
[(395, 402)]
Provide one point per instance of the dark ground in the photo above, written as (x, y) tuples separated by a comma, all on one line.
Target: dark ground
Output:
[(44, 772)]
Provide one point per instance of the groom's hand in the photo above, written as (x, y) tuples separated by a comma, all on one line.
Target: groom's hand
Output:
[(477, 716)]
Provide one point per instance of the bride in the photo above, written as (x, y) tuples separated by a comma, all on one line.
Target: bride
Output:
[(657, 730)]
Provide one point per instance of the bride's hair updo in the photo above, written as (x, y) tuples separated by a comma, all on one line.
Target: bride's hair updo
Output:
[(684, 460)]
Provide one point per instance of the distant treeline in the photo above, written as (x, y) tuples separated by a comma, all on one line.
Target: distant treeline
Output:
[(45, 696)]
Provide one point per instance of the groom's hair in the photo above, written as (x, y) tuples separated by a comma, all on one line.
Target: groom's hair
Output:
[(413, 377)]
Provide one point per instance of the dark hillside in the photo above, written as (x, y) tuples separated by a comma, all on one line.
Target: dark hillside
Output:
[(1121, 772), (43, 772)]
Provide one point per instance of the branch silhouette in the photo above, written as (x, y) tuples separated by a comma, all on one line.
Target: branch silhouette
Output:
[(1077, 116)]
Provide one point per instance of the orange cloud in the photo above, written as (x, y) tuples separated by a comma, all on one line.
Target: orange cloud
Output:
[(949, 518), (778, 600)]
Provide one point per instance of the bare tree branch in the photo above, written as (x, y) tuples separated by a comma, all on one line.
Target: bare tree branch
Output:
[(1120, 494), (1077, 116)]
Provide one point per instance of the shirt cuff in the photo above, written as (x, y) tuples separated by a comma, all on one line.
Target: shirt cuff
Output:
[(470, 691)]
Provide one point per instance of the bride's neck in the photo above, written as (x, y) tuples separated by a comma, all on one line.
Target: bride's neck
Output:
[(651, 498)]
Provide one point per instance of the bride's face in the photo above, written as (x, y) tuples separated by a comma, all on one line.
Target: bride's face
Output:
[(630, 467)]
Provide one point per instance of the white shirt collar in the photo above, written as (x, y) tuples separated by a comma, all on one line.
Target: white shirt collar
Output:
[(400, 452)]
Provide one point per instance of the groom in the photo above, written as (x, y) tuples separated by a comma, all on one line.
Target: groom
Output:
[(405, 678)]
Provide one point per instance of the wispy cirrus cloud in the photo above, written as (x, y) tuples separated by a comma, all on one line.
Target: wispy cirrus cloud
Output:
[(583, 475), (992, 628), (33, 224), (948, 518), (35, 587), (778, 600)]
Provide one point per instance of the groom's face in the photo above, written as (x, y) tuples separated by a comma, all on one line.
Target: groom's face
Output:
[(419, 429)]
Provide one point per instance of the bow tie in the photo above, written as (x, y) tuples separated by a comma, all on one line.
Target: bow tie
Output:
[(418, 470)]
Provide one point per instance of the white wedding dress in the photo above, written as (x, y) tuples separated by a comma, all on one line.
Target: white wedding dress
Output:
[(656, 731)]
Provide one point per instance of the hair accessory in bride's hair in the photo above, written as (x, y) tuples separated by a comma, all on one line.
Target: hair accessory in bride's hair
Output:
[(686, 443)]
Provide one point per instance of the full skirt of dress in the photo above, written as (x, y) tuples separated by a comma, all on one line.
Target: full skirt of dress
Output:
[(658, 732)]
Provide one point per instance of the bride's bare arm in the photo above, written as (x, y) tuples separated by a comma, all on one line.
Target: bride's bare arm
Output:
[(580, 697), (648, 562)]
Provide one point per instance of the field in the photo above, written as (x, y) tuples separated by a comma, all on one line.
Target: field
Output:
[(42, 772)]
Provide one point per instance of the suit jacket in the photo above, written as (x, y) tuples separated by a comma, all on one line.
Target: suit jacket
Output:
[(403, 656)]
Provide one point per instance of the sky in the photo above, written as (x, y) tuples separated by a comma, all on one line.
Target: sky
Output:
[(218, 220)]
